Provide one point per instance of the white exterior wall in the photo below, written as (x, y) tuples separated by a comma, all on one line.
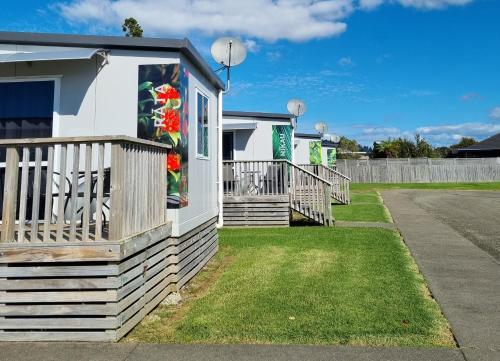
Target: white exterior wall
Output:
[(254, 144), (105, 103), (301, 150)]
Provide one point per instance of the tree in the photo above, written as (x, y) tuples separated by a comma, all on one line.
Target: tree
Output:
[(406, 148), (464, 143), (388, 148), (131, 28), (423, 149), (347, 147)]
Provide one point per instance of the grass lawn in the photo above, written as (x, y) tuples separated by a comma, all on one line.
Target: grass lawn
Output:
[(365, 206), (303, 285), (491, 186)]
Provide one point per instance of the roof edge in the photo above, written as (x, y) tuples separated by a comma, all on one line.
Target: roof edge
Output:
[(307, 135), (183, 46), (235, 113)]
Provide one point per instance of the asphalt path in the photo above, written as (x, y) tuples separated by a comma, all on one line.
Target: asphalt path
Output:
[(453, 237)]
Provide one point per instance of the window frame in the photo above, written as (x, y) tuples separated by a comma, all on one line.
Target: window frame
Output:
[(57, 94), (207, 127)]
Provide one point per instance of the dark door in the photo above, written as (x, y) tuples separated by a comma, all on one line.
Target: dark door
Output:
[(227, 146)]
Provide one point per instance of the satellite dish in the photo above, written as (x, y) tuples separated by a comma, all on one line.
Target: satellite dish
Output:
[(334, 138), (296, 107), (321, 127), (228, 52)]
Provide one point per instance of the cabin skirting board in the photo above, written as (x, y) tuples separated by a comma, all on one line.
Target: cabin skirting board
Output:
[(86, 296), (258, 211)]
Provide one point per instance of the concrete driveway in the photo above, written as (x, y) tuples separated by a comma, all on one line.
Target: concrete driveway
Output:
[(475, 215), (454, 238)]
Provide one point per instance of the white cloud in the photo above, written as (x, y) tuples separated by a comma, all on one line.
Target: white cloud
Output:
[(252, 46), (438, 135), (346, 61), (295, 20), (273, 55), (370, 4), (433, 4), (420, 4), (467, 97), (495, 113), (446, 134), (270, 20)]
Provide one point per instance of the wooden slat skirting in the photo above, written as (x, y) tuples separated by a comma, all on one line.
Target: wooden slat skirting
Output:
[(53, 297), (256, 211)]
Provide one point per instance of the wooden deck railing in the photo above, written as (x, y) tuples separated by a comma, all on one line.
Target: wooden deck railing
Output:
[(309, 194), (340, 182), (255, 178), (81, 189)]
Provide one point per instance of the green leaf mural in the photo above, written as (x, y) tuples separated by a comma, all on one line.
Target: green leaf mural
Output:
[(282, 142), (331, 155), (315, 153)]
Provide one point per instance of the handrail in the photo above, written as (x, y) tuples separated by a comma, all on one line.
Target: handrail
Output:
[(325, 168), (340, 182), (82, 189), (81, 140)]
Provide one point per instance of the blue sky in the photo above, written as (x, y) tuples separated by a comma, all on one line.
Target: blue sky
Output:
[(370, 69)]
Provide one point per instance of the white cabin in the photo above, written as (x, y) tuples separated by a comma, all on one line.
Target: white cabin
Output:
[(109, 147), (257, 136), (311, 149)]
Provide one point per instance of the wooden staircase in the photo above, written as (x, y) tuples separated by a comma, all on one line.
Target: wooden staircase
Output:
[(340, 182), (310, 195)]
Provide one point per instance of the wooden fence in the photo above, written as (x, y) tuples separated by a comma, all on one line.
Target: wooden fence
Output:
[(421, 170)]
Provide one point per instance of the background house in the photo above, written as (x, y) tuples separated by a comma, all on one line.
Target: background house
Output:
[(489, 147), (312, 149), (257, 136)]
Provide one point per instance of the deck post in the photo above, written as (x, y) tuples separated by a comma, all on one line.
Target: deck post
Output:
[(328, 204), (10, 194), (117, 212)]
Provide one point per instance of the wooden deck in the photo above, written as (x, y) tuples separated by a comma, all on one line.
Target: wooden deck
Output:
[(264, 193), (86, 249)]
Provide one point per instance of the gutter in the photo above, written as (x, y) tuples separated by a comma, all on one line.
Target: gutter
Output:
[(220, 184)]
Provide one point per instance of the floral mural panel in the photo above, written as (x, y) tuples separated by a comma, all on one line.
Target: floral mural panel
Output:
[(331, 157), (315, 153), (163, 116)]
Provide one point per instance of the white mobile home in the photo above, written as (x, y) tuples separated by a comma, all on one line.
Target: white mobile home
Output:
[(262, 183), (97, 198), (312, 149), (249, 135)]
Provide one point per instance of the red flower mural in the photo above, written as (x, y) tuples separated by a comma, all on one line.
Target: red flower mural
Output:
[(168, 93), (174, 162), (171, 121)]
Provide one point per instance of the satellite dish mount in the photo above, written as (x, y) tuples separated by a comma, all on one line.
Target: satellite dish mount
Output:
[(321, 128), (296, 107), (228, 52)]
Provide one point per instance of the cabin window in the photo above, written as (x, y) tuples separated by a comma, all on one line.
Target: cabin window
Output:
[(202, 125), (26, 110)]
